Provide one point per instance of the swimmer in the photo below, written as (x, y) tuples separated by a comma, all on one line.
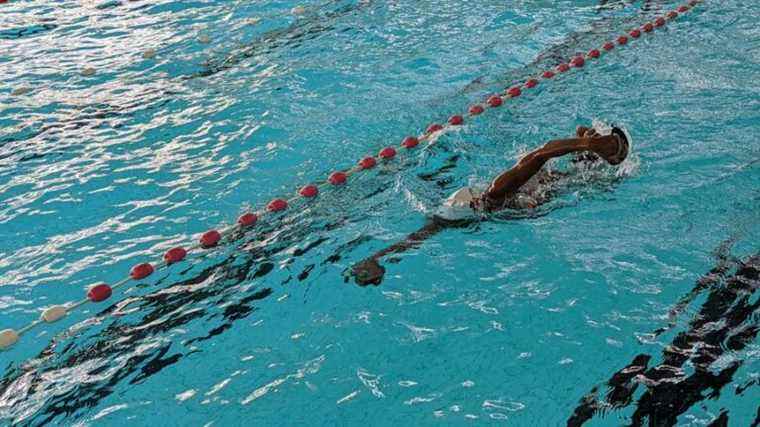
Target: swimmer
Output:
[(516, 188)]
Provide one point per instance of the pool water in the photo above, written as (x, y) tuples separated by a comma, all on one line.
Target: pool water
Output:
[(518, 318)]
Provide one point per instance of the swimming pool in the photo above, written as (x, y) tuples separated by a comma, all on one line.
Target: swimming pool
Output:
[(519, 317)]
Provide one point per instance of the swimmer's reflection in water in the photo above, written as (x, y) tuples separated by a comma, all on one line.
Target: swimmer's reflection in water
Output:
[(516, 188)]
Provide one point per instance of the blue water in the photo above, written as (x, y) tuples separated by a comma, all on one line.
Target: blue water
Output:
[(513, 319)]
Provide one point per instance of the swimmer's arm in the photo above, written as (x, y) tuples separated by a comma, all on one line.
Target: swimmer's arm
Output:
[(370, 271), (413, 240), (510, 181)]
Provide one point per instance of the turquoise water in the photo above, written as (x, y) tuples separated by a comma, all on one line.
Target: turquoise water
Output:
[(513, 319)]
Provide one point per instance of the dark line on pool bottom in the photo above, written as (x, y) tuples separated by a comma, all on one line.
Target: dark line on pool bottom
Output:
[(713, 278), (668, 392)]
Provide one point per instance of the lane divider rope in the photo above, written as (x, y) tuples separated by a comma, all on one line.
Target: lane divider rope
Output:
[(210, 239)]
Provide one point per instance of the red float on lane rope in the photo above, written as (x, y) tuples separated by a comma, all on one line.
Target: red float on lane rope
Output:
[(531, 83), (141, 271), (578, 62), (562, 68), (548, 74), (622, 40), (659, 22), (514, 92), (495, 101), (672, 14), (99, 293), (210, 239), (435, 127), (174, 255), (683, 9), (635, 33), (367, 162), (337, 178), (309, 191), (247, 219), (609, 46), (277, 205), (476, 109), (387, 153), (594, 53), (410, 142), (456, 120), (648, 27)]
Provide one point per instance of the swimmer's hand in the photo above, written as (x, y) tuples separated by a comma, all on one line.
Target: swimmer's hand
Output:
[(368, 272), (584, 132)]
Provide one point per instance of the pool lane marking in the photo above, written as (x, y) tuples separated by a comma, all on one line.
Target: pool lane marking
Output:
[(211, 238)]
